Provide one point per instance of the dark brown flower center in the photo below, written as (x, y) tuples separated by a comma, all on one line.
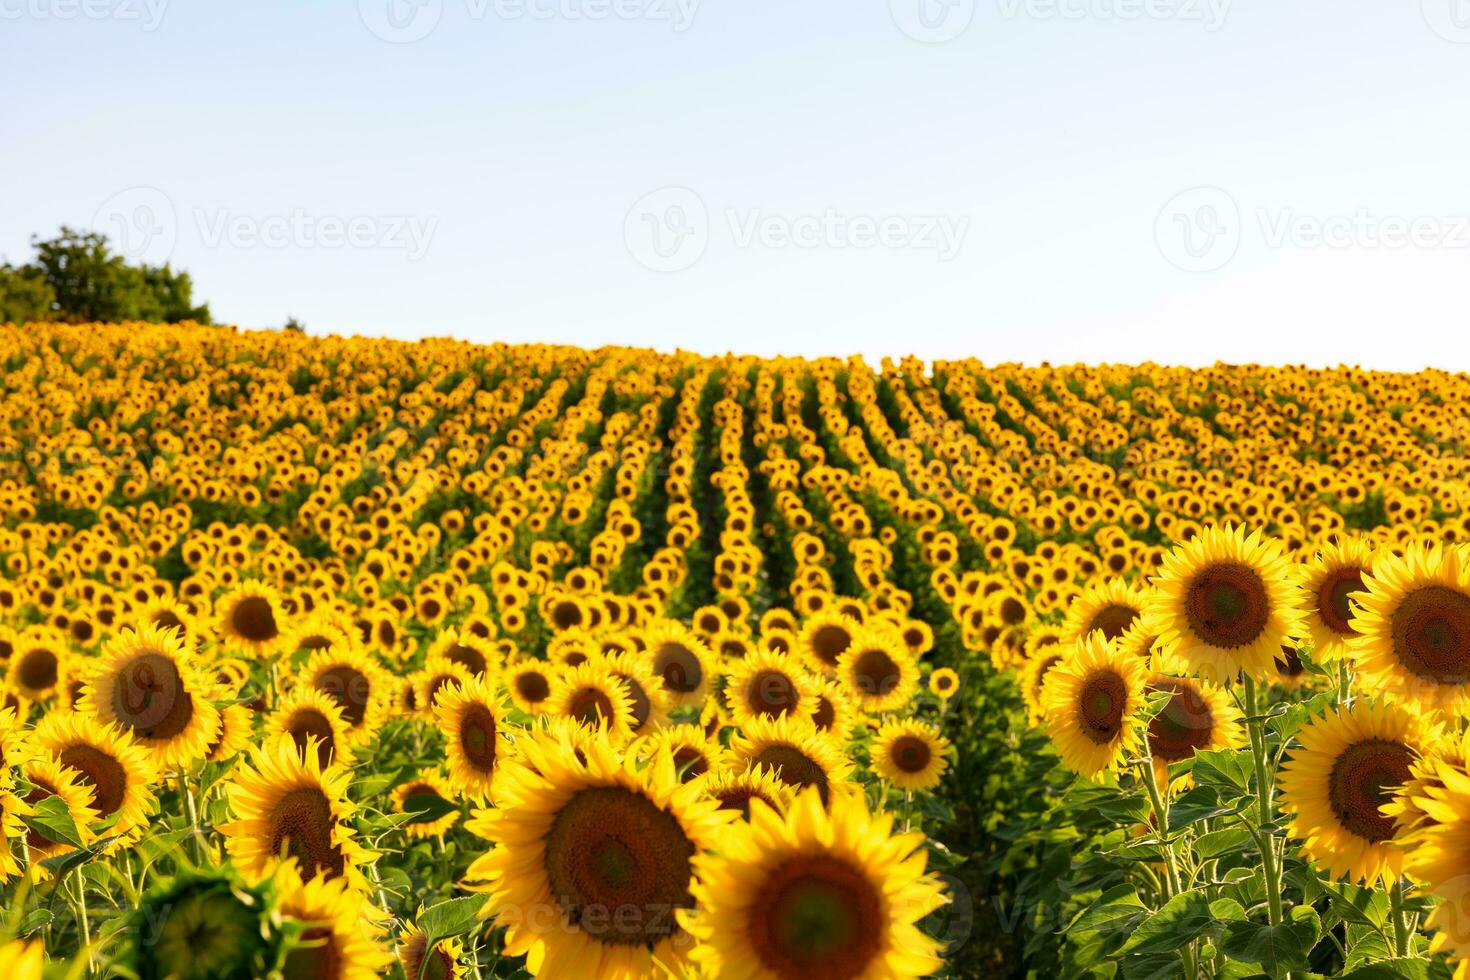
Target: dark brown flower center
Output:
[(477, 736), (816, 917), (679, 667), (794, 768), (1227, 605), (618, 866), (829, 643), (532, 686), (1332, 599), (1113, 620), (875, 673), (148, 697), (255, 620), (350, 688), (301, 825), (1100, 705), (102, 772), (1185, 724), (1431, 634), (771, 693), (910, 754), (39, 669), (1363, 779)]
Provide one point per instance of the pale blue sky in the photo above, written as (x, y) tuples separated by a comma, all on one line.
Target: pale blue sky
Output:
[(1026, 186)]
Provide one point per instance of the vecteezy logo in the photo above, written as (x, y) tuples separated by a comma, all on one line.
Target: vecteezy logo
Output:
[(1198, 230), (400, 21), (140, 223), (932, 21), (1450, 19), (667, 230)]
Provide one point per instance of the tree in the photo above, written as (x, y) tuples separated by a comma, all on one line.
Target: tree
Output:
[(25, 297), (81, 281)]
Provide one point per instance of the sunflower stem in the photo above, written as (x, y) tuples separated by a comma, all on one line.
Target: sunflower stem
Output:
[(1172, 881), (200, 844), (1400, 923), (82, 919), (1256, 725), (1344, 682)]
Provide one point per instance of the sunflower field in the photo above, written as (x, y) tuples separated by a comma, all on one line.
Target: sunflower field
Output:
[(353, 658)]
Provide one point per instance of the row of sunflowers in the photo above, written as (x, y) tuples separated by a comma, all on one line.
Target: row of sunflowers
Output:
[(339, 657)]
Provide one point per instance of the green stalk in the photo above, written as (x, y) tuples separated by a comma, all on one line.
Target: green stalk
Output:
[(1400, 924), (1257, 726), (1173, 882), (82, 916)]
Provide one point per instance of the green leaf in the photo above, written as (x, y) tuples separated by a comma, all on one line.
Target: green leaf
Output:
[(1198, 804), (1391, 970), (1118, 908), (1218, 843), (1181, 919), (1227, 910), (428, 807), (52, 820), (60, 864), (1225, 770), (452, 918), (1278, 949), (1363, 906)]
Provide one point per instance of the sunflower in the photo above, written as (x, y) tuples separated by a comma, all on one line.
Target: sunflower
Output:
[(767, 685), (878, 671), (237, 726), (201, 928), (833, 712), (38, 667), (1033, 678), (815, 894), (1224, 603), (825, 637), (604, 845), (643, 686), (910, 754), (795, 751), (474, 654), (1110, 607), (306, 715), (944, 682), (1350, 763), (1328, 583), (48, 777), (1437, 853), (106, 760), (1199, 717), (695, 754), (1410, 808), (16, 745), (590, 695), (350, 678), (1413, 625), (285, 803), (473, 722), (12, 827), (438, 675), (682, 659), (734, 789), (430, 793), (338, 940), (444, 957), (250, 618), (169, 614), (529, 683), (1092, 703), (145, 684), (22, 960)]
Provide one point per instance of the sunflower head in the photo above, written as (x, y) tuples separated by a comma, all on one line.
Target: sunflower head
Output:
[(1350, 764), (1225, 603), (201, 927), (1093, 702), (812, 893), (1329, 583), (910, 754)]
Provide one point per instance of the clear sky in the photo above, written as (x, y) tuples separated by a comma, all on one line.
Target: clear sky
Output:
[(1063, 180)]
